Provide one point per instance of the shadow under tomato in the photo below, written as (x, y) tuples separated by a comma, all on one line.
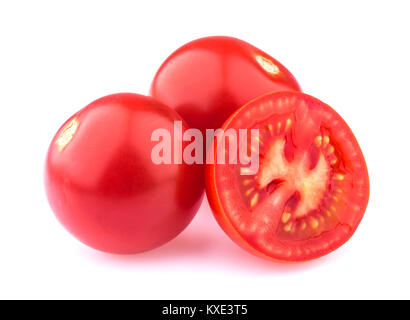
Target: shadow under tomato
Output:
[(205, 245)]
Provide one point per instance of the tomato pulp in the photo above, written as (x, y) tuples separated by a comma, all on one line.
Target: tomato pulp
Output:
[(311, 188), (206, 80), (103, 185)]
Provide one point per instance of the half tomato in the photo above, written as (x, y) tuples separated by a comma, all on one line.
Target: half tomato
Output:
[(311, 187)]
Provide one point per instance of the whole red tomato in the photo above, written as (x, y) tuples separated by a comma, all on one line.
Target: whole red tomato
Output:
[(206, 80), (103, 185)]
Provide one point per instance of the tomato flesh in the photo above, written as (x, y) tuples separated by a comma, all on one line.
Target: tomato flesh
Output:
[(311, 188)]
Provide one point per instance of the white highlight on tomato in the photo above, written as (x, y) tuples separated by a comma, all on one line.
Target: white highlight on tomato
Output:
[(267, 65), (67, 134)]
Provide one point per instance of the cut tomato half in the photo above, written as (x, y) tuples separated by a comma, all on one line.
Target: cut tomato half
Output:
[(311, 187)]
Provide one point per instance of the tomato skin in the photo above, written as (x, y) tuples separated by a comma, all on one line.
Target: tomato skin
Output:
[(352, 161), (103, 186), (221, 216), (206, 80)]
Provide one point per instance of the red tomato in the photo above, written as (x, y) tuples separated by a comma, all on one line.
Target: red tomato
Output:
[(208, 79), (311, 188), (102, 184)]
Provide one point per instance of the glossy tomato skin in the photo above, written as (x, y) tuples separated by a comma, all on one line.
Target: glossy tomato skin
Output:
[(102, 184), (341, 206), (207, 79)]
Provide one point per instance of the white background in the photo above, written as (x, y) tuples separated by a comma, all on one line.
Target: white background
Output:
[(56, 57)]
